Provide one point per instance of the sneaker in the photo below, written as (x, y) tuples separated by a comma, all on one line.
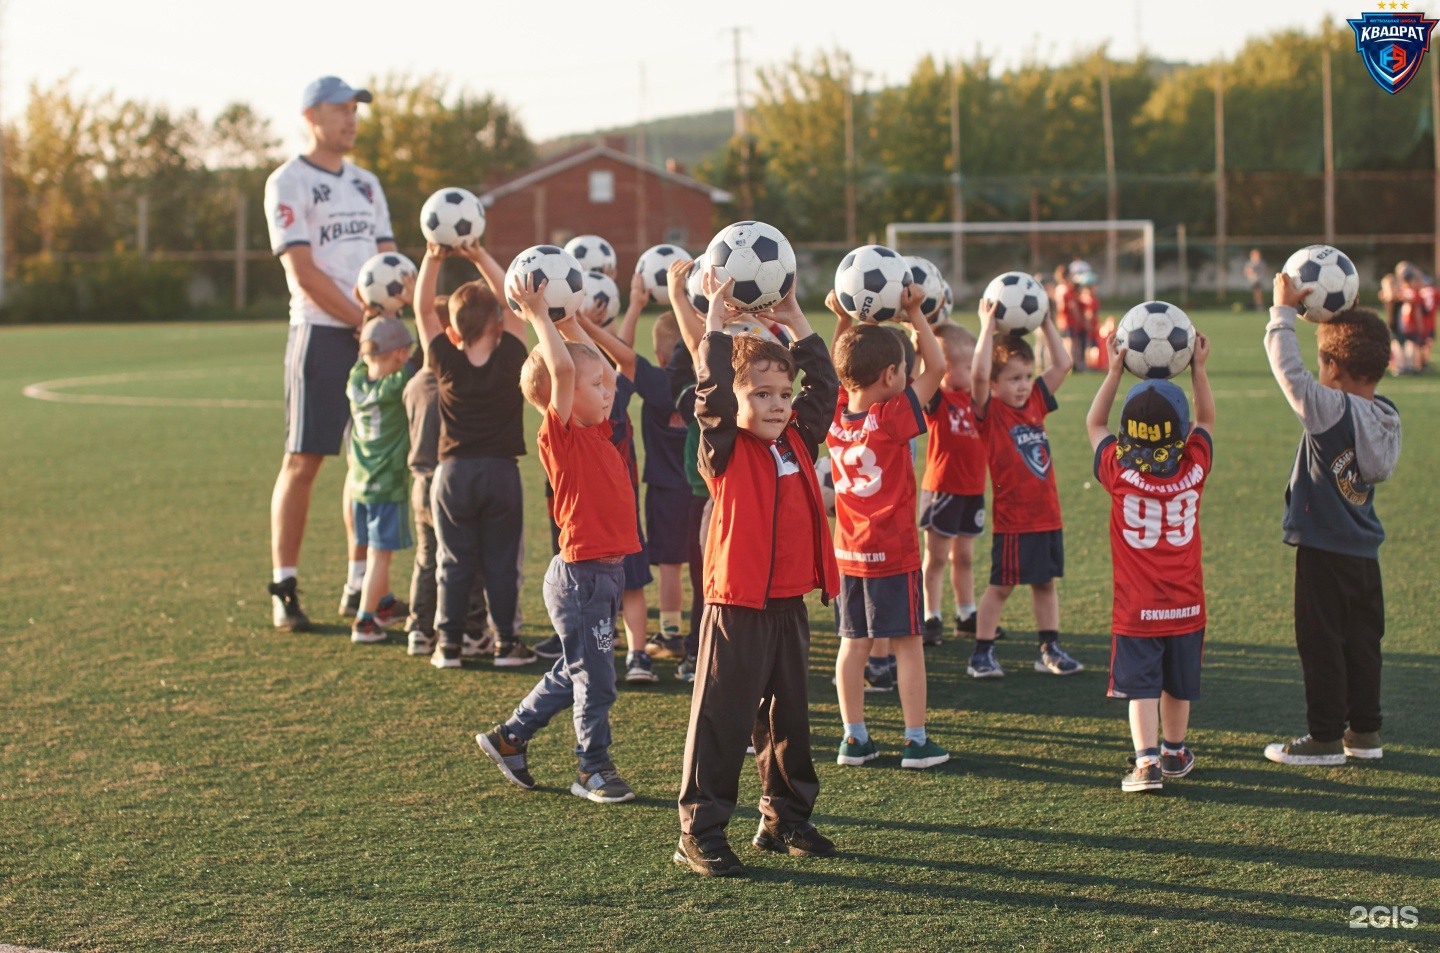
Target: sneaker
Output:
[(285, 603), (923, 756), (855, 754), (421, 643), (1363, 744), (749, 751), (639, 670), (797, 840), (391, 611), (445, 656), (714, 858), (685, 671), (1176, 765), (1142, 777), (603, 785), (984, 665), (548, 648), (368, 630), (932, 635), (477, 646), (879, 678), (1307, 750), (1054, 660), (349, 603), (965, 628), (665, 646), (512, 652), (509, 758)]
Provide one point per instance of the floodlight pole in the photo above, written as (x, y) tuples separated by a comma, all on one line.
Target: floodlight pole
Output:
[(1329, 126), (957, 201), (1112, 193), (849, 154), (1220, 181)]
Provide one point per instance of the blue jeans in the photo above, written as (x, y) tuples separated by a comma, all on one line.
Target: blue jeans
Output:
[(583, 599)]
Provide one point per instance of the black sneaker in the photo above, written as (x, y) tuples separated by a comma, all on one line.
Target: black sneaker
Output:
[(965, 628), (879, 678), (685, 671), (509, 758), (797, 840), (548, 648), (349, 603), (1142, 777), (1176, 765), (391, 611), (285, 601), (711, 859), (932, 635)]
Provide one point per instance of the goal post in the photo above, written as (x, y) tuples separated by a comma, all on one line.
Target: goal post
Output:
[(1142, 230)]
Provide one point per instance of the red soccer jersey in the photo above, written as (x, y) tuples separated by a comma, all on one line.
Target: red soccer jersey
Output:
[(594, 502), (794, 573), (1087, 302), (1066, 313), (1022, 474), (1155, 541), (875, 529), (954, 454)]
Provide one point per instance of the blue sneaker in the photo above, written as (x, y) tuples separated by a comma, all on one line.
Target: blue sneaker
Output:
[(984, 665), (855, 754), (1054, 660), (639, 670)]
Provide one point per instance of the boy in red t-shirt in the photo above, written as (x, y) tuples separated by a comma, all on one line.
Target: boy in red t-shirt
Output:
[(877, 546), (594, 506), (1155, 472), (768, 545), (952, 494), (1028, 548)]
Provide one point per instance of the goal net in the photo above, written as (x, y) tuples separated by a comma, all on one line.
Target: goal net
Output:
[(969, 254)]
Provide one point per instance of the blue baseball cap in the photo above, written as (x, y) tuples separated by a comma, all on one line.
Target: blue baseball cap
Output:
[(332, 89), (1156, 413)]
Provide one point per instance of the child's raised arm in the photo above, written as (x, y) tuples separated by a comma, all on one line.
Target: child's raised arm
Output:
[(638, 295), (494, 276), (1060, 357), (691, 322), (1200, 384), (932, 355), (984, 358), (571, 330), (842, 319), (552, 347), (427, 319), (1097, 421), (621, 353)]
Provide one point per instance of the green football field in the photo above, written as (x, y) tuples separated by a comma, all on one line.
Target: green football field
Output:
[(176, 775)]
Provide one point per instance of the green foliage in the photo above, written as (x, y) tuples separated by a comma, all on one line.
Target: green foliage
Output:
[(116, 287)]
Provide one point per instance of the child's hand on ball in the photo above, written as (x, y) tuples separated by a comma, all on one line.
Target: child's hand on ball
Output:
[(1201, 353), (1287, 295)]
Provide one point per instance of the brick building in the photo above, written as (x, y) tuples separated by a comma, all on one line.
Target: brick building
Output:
[(601, 190)]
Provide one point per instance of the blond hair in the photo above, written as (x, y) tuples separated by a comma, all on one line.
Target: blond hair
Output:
[(535, 373)]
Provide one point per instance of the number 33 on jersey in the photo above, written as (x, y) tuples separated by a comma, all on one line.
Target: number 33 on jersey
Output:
[(875, 531), (1155, 541)]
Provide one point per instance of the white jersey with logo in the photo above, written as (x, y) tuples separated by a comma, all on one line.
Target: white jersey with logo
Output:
[(341, 215)]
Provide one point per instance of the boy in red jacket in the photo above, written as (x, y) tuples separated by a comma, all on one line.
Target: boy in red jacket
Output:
[(769, 544)]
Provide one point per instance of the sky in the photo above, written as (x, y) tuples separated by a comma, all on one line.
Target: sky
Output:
[(570, 67)]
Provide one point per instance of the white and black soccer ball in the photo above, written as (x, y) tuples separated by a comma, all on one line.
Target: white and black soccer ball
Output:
[(382, 280), (947, 305), (824, 472), (694, 290), (601, 291), (924, 273), (654, 267), (760, 260), (870, 281), (1021, 303), (1159, 340), (749, 326), (1328, 279), (452, 217), (565, 282), (593, 253)]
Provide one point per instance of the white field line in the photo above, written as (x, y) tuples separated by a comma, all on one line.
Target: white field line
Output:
[(50, 390)]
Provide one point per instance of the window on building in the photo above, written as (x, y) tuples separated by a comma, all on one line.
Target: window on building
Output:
[(602, 185), (676, 235)]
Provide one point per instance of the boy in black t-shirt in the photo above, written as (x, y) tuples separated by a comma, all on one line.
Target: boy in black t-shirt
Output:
[(477, 499)]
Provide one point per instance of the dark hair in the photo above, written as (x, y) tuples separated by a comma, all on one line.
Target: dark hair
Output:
[(752, 353), (1009, 346), (863, 353), (473, 311), (1359, 342), (906, 345)]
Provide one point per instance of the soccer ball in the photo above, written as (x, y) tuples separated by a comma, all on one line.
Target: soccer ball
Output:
[(452, 217), (593, 253), (693, 290), (947, 304), (382, 280), (1328, 278), (600, 289), (749, 326), (760, 260), (825, 474), (870, 281), (928, 277), (1158, 338), (565, 284), (653, 267), (1021, 303)]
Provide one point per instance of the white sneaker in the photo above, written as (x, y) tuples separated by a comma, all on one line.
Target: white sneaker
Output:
[(439, 660), (421, 644)]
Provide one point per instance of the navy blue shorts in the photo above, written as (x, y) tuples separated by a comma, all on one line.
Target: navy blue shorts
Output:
[(384, 526), (1027, 559), (951, 515), (637, 565), (318, 361), (667, 524), (1144, 666), (887, 607)]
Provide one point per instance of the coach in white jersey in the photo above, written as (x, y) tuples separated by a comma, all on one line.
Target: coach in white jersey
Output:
[(326, 217)]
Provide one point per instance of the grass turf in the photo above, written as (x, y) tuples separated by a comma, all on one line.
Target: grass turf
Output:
[(176, 775)]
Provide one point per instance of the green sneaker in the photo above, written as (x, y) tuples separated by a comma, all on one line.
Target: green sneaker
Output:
[(854, 753), (1307, 750), (923, 756), (1363, 744)]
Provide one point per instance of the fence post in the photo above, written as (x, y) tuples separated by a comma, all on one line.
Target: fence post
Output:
[(241, 243), (142, 225), (1220, 182), (1184, 268)]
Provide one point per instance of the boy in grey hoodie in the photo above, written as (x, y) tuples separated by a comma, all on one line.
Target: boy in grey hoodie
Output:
[(1351, 442)]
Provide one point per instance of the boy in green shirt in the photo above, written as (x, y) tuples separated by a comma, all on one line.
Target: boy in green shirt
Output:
[(378, 478)]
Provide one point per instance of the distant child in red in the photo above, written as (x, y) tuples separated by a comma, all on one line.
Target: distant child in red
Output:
[(952, 494), (1028, 547), (1087, 303), (1155, 472), (877, 545)]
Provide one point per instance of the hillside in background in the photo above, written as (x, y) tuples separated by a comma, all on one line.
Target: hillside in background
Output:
[(686, 139)]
